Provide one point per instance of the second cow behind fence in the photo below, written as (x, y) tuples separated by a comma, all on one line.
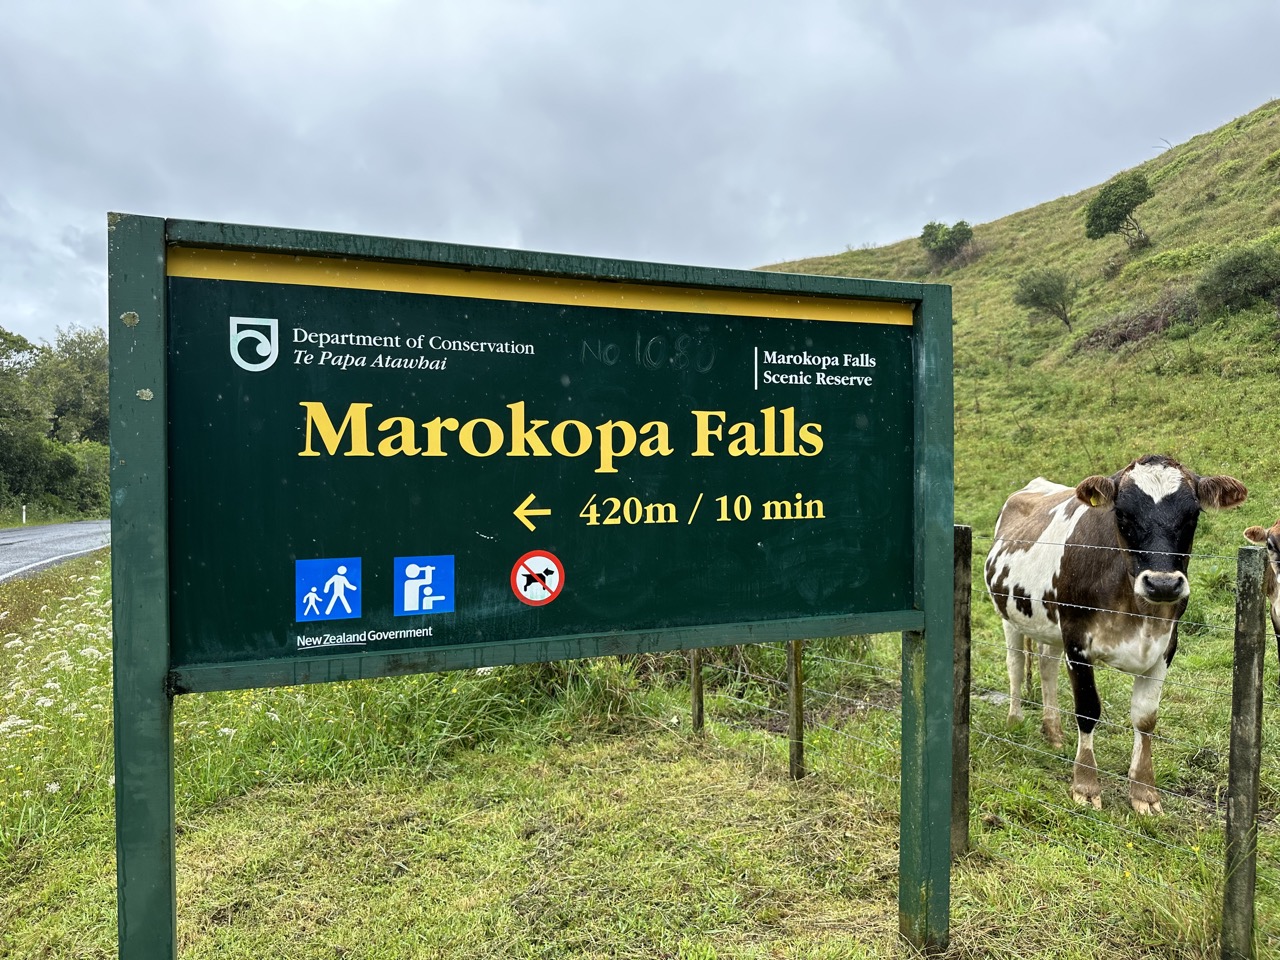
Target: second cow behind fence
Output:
[(1097, 574), (1270, 537)]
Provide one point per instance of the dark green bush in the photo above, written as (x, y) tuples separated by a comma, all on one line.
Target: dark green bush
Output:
[(944, 243), (1111, 211), (1240, 279)]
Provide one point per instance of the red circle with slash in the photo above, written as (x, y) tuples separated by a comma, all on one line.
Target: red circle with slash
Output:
[(537, 578)]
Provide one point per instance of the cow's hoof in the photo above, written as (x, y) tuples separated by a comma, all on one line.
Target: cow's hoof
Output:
[(1146, 809), (1092, 798)]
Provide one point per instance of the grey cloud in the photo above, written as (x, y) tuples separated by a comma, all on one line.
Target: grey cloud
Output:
[(723, 133)]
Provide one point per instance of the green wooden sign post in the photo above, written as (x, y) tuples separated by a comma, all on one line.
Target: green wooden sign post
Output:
[(337, 457)]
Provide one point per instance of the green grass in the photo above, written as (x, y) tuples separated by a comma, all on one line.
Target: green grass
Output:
[(39, 515), (568, 811)]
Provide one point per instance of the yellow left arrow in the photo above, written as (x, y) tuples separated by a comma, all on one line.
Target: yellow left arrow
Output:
[(526, 510)]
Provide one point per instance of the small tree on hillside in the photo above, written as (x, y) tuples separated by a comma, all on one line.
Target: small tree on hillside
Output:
[(943, 243), (1047, 292), (1111, 211)]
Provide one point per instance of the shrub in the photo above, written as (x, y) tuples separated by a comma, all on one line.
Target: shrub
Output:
[(1047, 292), (1229, 168), (1240, 279), (944, 243)]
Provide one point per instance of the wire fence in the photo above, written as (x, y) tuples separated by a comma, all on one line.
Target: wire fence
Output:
[(1019, 800)]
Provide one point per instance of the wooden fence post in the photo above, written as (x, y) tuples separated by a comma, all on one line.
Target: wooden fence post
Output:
[(963, 668), (795, 707), (695, 687), (1246, 755)]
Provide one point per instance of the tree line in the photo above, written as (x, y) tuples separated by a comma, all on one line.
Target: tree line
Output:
[(54, 423)]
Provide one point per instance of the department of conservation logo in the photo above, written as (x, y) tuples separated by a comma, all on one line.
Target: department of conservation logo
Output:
[(255, 343)]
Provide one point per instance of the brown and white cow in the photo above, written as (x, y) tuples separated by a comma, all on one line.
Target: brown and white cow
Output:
[(1097, 574), (1271, 577)]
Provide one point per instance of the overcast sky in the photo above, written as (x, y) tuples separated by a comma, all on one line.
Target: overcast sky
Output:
[(723, 133)]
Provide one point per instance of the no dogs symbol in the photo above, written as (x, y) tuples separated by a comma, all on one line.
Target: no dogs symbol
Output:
[(537, 578)]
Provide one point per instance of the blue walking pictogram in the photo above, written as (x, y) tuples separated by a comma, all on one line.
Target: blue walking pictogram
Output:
[(334, 582)]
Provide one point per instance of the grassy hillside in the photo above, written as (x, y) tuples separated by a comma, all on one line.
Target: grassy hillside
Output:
[(1032, 398)]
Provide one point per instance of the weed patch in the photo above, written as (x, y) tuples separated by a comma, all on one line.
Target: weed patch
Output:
[(1173, 306)]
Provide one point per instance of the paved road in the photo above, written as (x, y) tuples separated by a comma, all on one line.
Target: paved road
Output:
[(28, 549)]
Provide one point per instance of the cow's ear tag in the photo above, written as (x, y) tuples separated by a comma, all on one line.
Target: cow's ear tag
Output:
[(1095, 500)]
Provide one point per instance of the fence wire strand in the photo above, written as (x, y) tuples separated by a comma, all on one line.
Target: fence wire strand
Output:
[(1117, 613), (987, 695), (988, 538), (1062, 661)]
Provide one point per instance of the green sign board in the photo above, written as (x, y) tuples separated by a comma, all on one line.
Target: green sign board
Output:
[(340, 457)]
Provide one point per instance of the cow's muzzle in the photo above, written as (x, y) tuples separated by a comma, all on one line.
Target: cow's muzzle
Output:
[(1162, 586)]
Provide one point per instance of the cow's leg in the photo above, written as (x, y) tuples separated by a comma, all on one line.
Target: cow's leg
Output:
[(1085, 787), (1015, 660), (1028, 654), (1144, 708), (1051, 722)]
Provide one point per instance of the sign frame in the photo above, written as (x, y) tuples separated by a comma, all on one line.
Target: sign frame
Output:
[(145, 681)]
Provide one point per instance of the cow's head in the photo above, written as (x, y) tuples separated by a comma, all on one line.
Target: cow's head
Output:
[(1269, 536), (1157, 504)]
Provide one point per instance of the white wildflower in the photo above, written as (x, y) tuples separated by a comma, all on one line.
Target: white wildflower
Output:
[(13, 723), (91, 653), (272, 715), (483, 671), (52, 685), (52, 787), (44, 702), (14, 644), (226, 731)]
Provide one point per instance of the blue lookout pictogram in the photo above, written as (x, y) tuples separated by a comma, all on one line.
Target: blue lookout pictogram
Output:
[(423, 585)]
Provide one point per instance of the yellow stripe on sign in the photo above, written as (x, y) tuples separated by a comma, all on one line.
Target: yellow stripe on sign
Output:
[(525, 288)]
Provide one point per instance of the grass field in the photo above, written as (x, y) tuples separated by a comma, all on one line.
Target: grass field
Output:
[(568, 811)]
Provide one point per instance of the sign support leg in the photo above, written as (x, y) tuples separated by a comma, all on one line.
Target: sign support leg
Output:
[(145, 861), (924, 857)]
